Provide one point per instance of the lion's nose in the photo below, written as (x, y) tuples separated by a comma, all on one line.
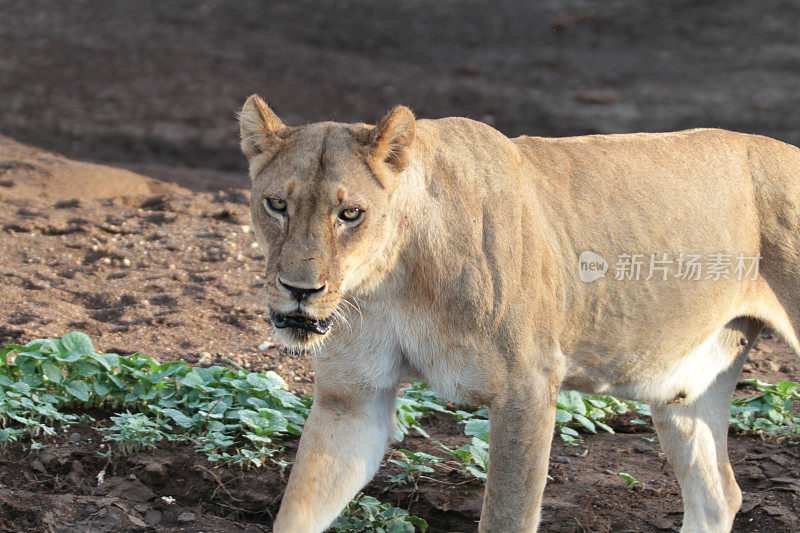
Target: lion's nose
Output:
[(300, 293)]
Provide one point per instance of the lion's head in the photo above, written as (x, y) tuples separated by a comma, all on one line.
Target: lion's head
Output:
[(320, 202)]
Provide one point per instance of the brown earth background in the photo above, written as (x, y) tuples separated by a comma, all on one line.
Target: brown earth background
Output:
[(166, 266)]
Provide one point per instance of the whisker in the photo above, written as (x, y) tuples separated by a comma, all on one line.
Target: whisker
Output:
[(353, 303), (340, 318)]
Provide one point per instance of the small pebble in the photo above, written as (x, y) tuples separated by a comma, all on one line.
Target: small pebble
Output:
[(642, 448), (561, 459), (204, 359), (266, 345), (246, 229), (152, 517), (773, 510), (185, 517)]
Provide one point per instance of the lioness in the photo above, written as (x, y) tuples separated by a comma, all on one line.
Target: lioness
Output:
[(443, 250)]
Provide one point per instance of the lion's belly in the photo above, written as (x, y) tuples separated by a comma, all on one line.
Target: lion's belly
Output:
[(666, 377)]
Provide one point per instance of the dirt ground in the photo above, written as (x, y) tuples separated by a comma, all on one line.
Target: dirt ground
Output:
[(168, 269)]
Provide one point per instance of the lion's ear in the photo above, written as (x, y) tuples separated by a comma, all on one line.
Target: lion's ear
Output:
[(260, 127), (389, 144)]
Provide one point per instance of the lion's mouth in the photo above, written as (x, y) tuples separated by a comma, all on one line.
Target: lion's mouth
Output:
[(297, 321)]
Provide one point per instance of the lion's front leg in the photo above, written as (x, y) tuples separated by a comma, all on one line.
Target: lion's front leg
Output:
[(520, 435), (340, 450)]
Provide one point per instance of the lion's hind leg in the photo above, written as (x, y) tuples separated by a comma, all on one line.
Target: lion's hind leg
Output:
[(693, 434)]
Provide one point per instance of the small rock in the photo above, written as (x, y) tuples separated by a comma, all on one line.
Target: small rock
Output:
[(597, 96), (751, 472), (152, 517), (789, 480), (772, 510), (642, 448), (75, 438), (186, 517), (136, 521), (662, 523), (37, 465), (76, 476), (266, 345), (561, 459), (204, 358)]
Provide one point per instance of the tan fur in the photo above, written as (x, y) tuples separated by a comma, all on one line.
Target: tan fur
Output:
[(464, 271)]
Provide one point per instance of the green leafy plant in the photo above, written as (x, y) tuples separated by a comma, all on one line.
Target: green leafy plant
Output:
[(631, 482), (413, 465), (366, 513), (768, 413), (473, 458), (575, 410), (230, 415), (411, 405), (132, 433)]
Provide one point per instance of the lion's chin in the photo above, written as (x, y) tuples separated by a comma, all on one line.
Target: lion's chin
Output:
[(298, 339)]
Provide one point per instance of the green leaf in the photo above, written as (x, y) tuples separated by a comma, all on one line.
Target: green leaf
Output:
[(562, 416), (180, 418), (193, 379), (52, 371), (79, 389), (585, 422), (421, 523), (33, 380), (26, 364), (114, 378), (477, 427), (257, 382), (569, 431), (78, 343), (399, 525), (22, 388), (572, 401), (604, 427), (100, 388), (87, 369)]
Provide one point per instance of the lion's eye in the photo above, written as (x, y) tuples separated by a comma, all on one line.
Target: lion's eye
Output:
[(275, 204), (349, 215)]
